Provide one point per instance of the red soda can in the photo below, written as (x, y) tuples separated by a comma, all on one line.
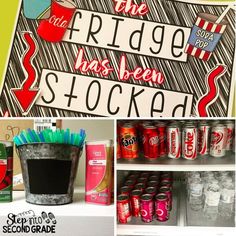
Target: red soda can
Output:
[(151, 190), (189, 142), (123, 209), (166, 176), (132, 177), (162, 146), (166, 183), (140, 186), (152, 183), (203, 138), (142, 180), (168, 192), (146, 208), (54, 28), (150, 142), (145, 175), (135, 202), (125, 190), (130, 183), (154, 178), (161, 207), (218, 137), (230, 135), (128, 142), (173, 141)]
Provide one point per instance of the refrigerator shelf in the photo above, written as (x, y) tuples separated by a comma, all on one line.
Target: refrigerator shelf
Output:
[(185, 222), (206, 163)]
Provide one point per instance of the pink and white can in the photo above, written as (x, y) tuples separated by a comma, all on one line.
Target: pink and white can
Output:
[(146, 208), (161, 207)]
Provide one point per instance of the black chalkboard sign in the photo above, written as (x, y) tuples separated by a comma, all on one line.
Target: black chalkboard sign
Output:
[(49, 176)]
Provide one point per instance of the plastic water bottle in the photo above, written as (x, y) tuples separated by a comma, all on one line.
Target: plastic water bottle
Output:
[(226, 204), (195, 194), (190, 177), (206, 183), (212, 200)]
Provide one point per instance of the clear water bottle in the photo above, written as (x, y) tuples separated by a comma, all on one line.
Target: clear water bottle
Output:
[(206, 183), (226, 205), (195, 194), (191, 176), (212, 200)]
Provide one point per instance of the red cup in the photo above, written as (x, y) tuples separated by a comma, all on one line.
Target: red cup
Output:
[(54, 28)]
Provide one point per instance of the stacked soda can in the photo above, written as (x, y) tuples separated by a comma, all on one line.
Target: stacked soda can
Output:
[(188, 139), (145, 195)]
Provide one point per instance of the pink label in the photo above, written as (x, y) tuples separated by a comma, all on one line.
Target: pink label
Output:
[(97, 190)]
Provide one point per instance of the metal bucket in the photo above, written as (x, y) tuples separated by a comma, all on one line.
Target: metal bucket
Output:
[(49, 171)]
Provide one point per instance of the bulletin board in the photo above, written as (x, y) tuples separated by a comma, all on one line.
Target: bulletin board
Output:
[(172, 58)]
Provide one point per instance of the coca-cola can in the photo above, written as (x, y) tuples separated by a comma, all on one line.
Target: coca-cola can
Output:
[(145, 175), (54, 28), (189, 142), (123, 209), (168, 192), (161, 130), (132, 177), (154, 178), (130, 182), (152, 183), (150, 142), (146, 208), (174, 141), (218, 140), (166, 183), (142, 180), (140, 186), (125, 190), (230, 127), (135, 202), (151, 190), (203, 138), (166, 176), (161, 207)]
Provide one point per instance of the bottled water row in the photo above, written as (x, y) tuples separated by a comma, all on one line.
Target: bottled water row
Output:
[(213, 192)]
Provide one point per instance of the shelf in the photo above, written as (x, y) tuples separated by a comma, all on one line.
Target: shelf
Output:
[(77, 208), (206, 163), (80, 217), (182, 228), (173, 218), (174, 230)]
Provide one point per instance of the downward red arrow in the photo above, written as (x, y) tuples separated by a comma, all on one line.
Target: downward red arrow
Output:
[(26, 95)]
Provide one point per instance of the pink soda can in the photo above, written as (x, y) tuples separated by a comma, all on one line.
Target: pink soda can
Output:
[(161, 207), (146, 208), (168, 192)]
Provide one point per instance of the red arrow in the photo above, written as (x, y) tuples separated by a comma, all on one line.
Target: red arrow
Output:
[(212, 90), (26, 95)]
